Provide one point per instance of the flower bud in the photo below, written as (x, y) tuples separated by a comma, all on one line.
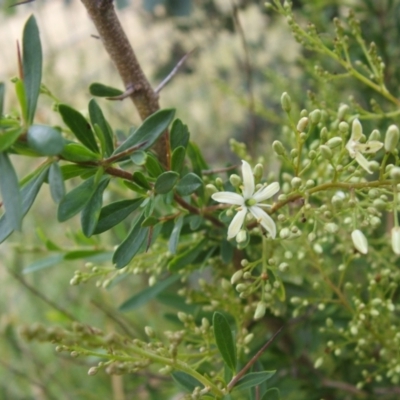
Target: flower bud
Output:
[(342, 111), (356, 129), (211, 189), (278, 148), (391, 138), (235, 180), (248, 338), (375, 135), (334, 142), (258, 172), (315, 117), (296, 182), (326, 152), (396, 240), (237, 276), (260, 310), (343, 127), (284, 233), (241, 237), (359, 241), (395, 173), (302, 124), (286, 102), (318, 363), (93, 371)]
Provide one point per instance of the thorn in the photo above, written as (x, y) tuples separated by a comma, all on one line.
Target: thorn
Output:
[(174, 71)]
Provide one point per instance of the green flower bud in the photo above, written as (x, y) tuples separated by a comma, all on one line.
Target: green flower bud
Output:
[(315, 117), (395, 173), (260, 310), (93, 371), (310, 184), (294, 153), (149, 332), (278, 148), (391, 138), (258, 172), (241, 237), (248, 338), (235, 180), (283, 267), (334, 142), (343, 127), (337, 201), (312, 154), (323, 135), (182, 316), (241, 287), (211, 189), (331, 227), (286, 102), (342, 111), (326, 152), (296, 182), (318, 363), (237, 276), (302, 124), (303, 113), (284, 233), (375, 135), (396, 240), (359, 241)]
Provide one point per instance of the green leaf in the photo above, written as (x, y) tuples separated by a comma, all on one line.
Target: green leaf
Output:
[(9, 136), (140, 179), (178, 159), (226, 251), (46, 140), (76, 200), (2, 95), (186, 258), (79, 126), (153, 167), (90, 214), (82, 254), (186, 381), (32, 65), (198, 162), (166, 182), (131, 245), (148, 294), (150, 221), (22, 100), (28, 195), (272, 394), (224, 340), (44, 263), (56, 182), (100, 90), (114, 213), (139, 157), (179, 135), (253, 379), (97, 117), (150, 130), (71, 171), (174, 238), (75, 152), (189, 184), (9, 188)]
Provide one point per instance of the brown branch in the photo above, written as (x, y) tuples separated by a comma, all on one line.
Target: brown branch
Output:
[(119, 49), (242, 372)]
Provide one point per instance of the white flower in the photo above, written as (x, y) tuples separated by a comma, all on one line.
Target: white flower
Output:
[(249, 202), (360, 241), (396, 240), (355, 148)]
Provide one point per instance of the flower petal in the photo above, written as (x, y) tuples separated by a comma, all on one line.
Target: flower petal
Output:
[(351, 148), (264, 219), (396, 240), (229, 198), (363, 162), (236, 223), (266, 192), (370, 147), (248, 180)]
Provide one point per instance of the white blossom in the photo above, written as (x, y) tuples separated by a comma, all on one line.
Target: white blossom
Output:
[(249, 201), (360, 241), (355, 148)]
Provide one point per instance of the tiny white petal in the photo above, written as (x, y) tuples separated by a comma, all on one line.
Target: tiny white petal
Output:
[(360, 241), (264, 219), (396, 240), (363, 162), (236, 223), (266, 192), (370, 147), (229, 198), (350, 146), (248, 180)]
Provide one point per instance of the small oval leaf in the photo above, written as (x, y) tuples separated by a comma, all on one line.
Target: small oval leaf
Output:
[(166, 182), (189, 184), (100, 90), (46, 140), (56, 182), (254, 379), (75, 152)]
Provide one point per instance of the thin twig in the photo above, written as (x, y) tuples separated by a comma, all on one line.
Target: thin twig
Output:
[(219, 170), (42, 296), (173, 72), (122, 154), (128, 92), (241, 373)]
